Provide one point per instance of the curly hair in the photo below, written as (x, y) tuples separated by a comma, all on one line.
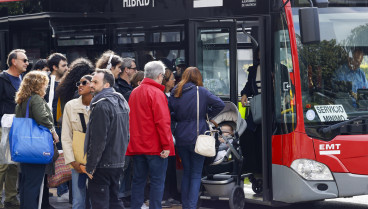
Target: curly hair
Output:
[(104, 59), (78, 69), (32, 83)]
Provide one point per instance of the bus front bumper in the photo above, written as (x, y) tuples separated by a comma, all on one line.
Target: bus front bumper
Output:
[(289, 187)]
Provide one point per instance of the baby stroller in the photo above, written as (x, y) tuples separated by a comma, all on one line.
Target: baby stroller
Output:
[(223, 180)]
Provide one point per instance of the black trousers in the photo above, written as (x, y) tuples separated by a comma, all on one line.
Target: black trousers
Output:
[(171, 190), (30, 184), (103, 189)]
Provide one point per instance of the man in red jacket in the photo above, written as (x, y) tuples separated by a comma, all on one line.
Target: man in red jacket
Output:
[(151, 140)]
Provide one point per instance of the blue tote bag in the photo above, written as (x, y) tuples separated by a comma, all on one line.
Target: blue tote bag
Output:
[(30, 142)]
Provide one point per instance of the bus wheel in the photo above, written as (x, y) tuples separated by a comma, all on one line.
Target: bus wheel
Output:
[(257, 186), (237, 198)]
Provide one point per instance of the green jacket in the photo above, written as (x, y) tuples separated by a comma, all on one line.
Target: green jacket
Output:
[(38, 110)]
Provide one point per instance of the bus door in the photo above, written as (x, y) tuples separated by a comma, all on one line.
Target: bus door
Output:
[(213, 51), (214, 47)]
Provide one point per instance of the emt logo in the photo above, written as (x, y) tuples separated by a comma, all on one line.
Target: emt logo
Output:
[(329, 149)]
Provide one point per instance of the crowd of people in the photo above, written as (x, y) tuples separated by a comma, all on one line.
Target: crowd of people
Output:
[(135, 121)]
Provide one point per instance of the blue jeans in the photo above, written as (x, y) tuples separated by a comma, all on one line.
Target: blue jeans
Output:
[(156, 167), (191, 182), (79, 193)]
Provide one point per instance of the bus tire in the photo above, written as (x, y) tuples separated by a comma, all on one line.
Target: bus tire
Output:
[(237, 198)]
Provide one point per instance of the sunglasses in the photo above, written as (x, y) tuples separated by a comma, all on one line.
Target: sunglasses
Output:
[(24, 60), (83, 83)]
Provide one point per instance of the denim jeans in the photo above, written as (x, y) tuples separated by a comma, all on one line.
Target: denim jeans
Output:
[(62, 189), (79, 193), (191, 182), (155, 167), (103, 189)]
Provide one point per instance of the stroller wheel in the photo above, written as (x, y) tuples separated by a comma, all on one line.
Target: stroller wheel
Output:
[(237, 198), (257, 186)]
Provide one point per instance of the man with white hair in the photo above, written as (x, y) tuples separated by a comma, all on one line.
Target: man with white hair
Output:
[(150, 136)]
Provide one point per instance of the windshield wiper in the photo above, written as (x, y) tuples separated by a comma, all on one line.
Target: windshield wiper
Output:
[(338, 125)]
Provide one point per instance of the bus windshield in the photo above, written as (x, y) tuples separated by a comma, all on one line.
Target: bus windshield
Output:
[(334, 72)]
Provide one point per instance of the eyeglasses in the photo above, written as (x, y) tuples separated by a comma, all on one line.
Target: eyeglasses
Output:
[(133, 68), (24, 60), (83, 83)]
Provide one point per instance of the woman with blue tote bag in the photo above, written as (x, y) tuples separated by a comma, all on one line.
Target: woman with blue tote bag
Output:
[(30, 96)]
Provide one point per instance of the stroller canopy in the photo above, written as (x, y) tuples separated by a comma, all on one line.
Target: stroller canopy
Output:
[(231, 113)]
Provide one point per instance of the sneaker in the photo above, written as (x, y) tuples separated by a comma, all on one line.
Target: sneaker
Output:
[(219, 157), (166, 204), (144, 206), (174, 202)]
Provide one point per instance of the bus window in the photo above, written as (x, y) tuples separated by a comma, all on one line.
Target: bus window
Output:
[(334, 72), (160, 37), (214, 60), (284, 94), (245, 60), (128, 38), (163, 43)]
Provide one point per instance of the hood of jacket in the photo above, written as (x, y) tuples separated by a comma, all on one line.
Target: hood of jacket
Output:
[(110, 95)]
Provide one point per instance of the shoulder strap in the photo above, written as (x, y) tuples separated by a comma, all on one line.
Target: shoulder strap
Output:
[(83, 122), (197, 112), (27, 111)]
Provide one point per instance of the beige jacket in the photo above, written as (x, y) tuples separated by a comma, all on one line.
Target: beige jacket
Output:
[(72, 122)]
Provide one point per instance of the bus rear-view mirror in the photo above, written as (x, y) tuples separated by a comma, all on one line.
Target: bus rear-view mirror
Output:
[(309, 25)]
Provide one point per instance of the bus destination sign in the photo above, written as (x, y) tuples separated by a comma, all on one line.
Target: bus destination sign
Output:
[(328, 113)]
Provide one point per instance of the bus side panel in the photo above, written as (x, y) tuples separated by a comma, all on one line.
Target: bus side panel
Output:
[(344, 154), (277, 149), (295, 146)]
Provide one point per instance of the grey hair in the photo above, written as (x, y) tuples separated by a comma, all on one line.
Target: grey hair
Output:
[(127, 62), (13, 55), (153, 69)]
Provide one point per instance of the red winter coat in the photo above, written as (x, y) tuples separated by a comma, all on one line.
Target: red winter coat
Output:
[(149, 120)]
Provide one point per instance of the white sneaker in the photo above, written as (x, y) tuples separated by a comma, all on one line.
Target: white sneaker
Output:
[(219, 157), (144, 206)]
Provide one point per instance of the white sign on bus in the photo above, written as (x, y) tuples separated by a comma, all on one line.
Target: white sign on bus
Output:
[(328, 113)]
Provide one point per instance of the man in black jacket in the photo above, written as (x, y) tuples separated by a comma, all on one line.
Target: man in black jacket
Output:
[(106, 141), (9, 84), (128, 69)]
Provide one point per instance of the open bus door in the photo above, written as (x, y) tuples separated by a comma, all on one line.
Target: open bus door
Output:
[(214, 52), (213, 49)]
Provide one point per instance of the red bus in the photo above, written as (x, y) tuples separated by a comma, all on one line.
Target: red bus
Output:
[(313, 72)]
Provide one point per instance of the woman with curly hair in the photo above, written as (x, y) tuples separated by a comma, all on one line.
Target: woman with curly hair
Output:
[(67, 90), (110, 61), (33, 89)]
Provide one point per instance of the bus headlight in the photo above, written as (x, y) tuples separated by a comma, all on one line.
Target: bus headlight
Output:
[(311, 170)]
